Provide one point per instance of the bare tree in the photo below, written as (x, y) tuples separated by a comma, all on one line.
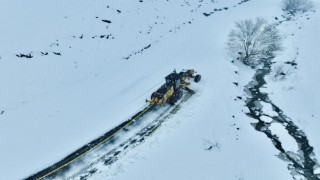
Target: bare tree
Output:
[(254, 41), (294, 6)]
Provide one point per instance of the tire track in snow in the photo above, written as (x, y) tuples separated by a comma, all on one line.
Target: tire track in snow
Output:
[(86, 170)]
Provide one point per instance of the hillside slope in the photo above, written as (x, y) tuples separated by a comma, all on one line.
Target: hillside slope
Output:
[(73, 70)]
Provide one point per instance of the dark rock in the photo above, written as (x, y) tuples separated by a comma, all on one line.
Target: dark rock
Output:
[(106, 21), (25, 55), (57, 53)]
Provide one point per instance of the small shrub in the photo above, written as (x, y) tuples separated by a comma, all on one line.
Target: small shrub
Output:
[(294, 6)]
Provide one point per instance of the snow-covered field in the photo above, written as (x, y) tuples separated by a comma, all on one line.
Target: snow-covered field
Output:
[(297, 94), (95, 62)]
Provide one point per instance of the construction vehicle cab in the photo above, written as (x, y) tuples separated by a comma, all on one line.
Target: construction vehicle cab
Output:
[(172, 90), (173, 79)]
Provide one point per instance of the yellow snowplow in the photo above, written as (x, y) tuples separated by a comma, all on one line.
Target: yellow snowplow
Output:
[(171, 91)]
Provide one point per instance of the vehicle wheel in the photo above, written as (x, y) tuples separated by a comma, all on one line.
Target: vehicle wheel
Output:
[(197, 78), (181, 74), (179, 95), (153, 95), (171, 101)]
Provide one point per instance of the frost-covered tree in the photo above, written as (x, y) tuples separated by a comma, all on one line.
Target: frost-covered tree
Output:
[(254, 41), (294, 6)]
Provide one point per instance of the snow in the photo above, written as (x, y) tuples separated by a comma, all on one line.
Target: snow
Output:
[(54, 104), (297, 95), (266, 119), (267, 109), (287, 142)]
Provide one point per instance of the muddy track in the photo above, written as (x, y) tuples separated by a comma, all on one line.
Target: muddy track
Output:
[(301, 163)]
